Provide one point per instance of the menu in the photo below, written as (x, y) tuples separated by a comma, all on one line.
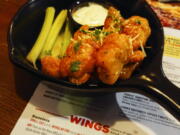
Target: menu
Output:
[(52, 112)]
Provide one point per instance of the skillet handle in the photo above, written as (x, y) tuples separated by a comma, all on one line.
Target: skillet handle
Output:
[(161, 84)]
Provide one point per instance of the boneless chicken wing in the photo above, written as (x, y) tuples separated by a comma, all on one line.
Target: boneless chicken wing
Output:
[(113, 21), (112, 56), (50, 66), (138, 29), (79, 62)]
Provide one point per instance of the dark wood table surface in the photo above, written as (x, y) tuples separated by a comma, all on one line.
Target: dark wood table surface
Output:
[(16, 86)]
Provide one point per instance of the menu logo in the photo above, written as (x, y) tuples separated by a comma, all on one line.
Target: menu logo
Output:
[(89, 124)]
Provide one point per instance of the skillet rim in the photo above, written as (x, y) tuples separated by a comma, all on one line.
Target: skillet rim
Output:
[(62, 82)]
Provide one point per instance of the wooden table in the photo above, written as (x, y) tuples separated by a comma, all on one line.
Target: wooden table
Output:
[(16, 86)]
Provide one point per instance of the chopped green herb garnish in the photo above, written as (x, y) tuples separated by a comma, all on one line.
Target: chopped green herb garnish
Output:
[(118, 29), (97, 33), (76, 46), (138, 22), (75, 66), (117, 20), (84, 31), (106, 33)]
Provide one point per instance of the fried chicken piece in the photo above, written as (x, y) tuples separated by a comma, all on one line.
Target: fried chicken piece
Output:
[(112, 56), (134, 61), (137, 56), (113, 21), (127, 70), (138, 29), (50, 66), (79, 62)]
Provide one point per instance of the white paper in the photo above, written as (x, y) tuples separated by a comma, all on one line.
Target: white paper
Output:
[(51, 112)]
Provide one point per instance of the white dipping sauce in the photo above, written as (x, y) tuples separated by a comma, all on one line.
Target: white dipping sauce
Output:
[(93, 15)]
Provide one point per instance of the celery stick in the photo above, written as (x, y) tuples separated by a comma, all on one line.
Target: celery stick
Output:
[(57, 46), (55, 29), (67, 38), (37, 47)]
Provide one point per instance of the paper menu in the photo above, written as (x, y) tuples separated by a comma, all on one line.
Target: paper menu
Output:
[(50, 112)]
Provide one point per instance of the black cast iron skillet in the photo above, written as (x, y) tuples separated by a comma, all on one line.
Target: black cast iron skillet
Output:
[(26, 25)]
